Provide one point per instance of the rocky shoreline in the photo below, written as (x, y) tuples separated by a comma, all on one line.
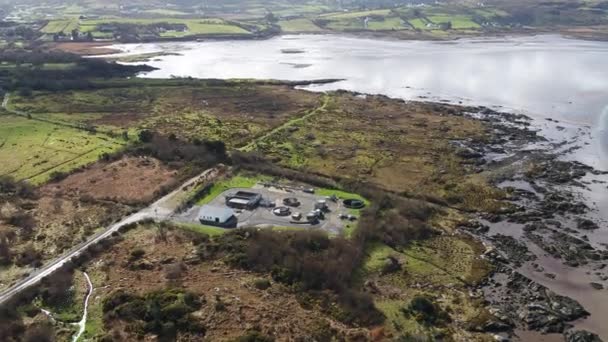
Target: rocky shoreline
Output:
[(545, 222)]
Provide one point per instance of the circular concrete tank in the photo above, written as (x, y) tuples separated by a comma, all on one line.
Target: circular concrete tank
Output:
[(353, 203)]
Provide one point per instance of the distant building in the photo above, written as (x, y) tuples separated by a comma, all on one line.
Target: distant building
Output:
[(243, 200), (217, 216)]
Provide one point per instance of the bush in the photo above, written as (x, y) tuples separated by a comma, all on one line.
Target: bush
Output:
[(29, 256), (11, 325), (137, 254), (55, 289), (163, 312), (8, 186), (255, 336), (261, 284), (23, 220), (146, 136), (57, 176), (6, 254), (395, 221), (424, 309), (40, 332)]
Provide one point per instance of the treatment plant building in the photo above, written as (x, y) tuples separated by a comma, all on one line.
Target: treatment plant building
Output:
[(217, 216), (243, 200)]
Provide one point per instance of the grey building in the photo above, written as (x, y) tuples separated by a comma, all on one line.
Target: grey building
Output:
[(243, 200), (217, 216)]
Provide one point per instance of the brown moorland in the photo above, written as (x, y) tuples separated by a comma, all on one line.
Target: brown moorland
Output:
[(127, 180)]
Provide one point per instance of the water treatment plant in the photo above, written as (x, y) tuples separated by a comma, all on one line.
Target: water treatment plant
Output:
[(274, 205)]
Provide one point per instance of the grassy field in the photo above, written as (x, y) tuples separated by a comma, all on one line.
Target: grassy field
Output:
[(33, 150), (419, 23), (458, 21), (203, 229), (238, 181), (298, 25), (62, 25), (195, 26), (384, 24), (356, 14), (166, 12), (390, 23)]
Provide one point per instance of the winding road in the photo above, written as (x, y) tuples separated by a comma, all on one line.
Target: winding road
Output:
[(159, 210)]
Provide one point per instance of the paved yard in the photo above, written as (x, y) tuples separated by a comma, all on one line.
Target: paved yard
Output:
[(262, 217)]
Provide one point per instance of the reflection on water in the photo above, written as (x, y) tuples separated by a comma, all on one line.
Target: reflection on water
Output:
[(545, 75)]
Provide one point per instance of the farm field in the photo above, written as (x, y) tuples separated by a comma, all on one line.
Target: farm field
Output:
[(389, 23), (195, 26), (298, 25), (62, 25), (356, 14), (418, 23), (458, 21), (33, 150)]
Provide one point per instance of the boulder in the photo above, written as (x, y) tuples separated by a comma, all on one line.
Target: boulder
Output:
[(391, 265), (586, 224), (597, 286), (581, 336)]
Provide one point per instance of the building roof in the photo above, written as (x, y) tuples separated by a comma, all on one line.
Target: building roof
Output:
[(237, 200), (210, 213)]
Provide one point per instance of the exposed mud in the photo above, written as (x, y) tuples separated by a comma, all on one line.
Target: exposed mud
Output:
[(548, 244)]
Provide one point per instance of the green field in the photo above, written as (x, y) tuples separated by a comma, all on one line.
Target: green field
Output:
[(390, 23), (458, 21), (62, 25), (238, 181), (203, 229), (298, 25), (418, 23), (32, 150), (345, 25), (291, 9), (166, 12), (358, 14), (195, 26)]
